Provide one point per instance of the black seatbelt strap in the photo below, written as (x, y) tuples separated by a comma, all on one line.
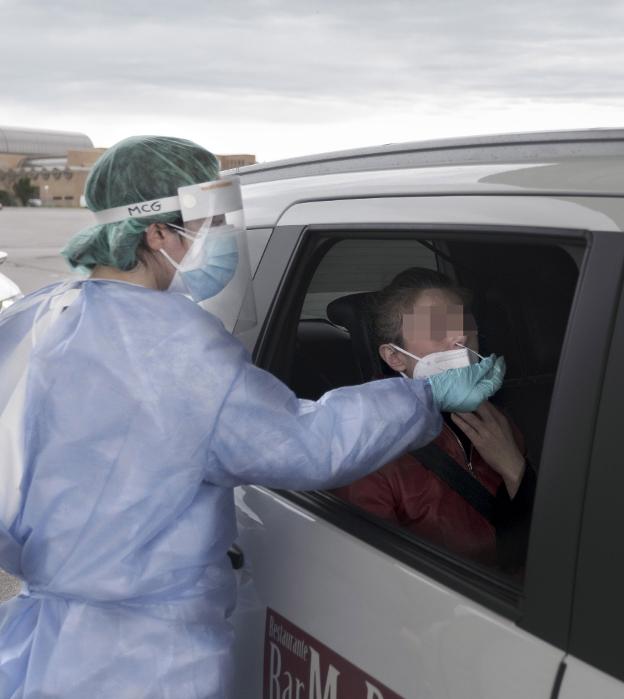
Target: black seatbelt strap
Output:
[(436, 460)]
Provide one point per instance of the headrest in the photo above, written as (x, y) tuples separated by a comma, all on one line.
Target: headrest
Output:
[(353, 313)]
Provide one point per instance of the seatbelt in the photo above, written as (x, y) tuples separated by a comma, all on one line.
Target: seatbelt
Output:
[(436, 460)]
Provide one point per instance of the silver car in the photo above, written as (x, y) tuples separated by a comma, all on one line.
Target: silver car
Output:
[(9, 291), (338, 602)]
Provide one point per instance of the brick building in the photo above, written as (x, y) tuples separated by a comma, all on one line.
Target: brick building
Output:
[(58, 162)]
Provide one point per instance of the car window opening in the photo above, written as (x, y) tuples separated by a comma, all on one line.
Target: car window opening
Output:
[(521, 296)]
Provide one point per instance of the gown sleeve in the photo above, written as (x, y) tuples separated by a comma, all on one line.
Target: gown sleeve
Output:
[(265, 435)]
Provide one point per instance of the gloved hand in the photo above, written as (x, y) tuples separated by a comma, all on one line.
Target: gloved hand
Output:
[(464, 389)]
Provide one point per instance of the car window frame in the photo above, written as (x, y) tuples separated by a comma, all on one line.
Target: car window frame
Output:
[(541, 609), (598, 613)]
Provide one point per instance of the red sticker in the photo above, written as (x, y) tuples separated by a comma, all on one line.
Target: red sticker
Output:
[(297, 666)]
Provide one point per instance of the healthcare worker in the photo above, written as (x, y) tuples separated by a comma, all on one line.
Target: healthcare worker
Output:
[(129, 414)]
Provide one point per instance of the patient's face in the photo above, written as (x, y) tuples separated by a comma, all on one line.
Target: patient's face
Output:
[(436, 323)]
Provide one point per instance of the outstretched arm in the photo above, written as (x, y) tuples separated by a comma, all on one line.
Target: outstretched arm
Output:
[(266, 436)]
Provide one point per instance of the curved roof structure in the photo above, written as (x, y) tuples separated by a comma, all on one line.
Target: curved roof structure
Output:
[(35, 142)]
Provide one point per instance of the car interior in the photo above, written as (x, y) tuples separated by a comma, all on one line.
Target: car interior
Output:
[(522, 299), (522, 295)]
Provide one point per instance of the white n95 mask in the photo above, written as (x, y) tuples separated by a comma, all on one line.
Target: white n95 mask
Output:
[(437, 362)]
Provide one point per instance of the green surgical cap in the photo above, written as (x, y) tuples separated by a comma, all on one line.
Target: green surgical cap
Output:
[(140, 168)]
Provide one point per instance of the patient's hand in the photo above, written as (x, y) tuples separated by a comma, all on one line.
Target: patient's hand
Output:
[(489, 430)]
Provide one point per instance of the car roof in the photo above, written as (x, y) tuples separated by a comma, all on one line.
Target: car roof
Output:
[(563, 163)]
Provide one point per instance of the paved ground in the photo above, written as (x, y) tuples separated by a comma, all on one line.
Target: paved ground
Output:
[(8, 586), (33, 238)]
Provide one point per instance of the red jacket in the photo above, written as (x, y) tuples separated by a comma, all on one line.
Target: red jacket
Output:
[(407, 494)]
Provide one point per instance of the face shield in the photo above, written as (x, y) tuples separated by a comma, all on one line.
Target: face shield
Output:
[(215, 271), (213, 213)]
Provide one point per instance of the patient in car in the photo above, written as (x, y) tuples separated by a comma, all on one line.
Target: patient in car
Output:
[(422, 312)]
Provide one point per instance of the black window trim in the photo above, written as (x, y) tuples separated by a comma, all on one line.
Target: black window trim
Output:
[(544, 612), (598, 613)]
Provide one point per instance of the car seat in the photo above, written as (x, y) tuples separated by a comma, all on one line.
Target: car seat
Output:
[(323, 359), (353, 312), (336, 352)]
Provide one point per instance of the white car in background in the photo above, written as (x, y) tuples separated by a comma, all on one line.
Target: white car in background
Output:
[(337, 604), (9, 291)]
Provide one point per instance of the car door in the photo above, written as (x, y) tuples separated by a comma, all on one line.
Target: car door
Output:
[(332, 604), (595, 664)]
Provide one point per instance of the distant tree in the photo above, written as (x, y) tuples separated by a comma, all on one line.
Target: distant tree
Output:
[(6, 198), (24, 190)]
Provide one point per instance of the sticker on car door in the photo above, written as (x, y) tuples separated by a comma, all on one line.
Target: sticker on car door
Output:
[(297, 666)]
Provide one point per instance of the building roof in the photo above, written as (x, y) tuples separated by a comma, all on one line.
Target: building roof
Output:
[(35, 142)]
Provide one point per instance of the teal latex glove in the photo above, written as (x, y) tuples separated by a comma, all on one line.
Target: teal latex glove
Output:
[(463, 390)]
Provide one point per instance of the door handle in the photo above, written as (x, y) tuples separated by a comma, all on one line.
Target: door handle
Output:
[(558, 680), (237, 559)]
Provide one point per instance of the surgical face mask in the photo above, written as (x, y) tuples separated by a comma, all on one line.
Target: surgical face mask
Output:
[(208, 265), (437, 362)]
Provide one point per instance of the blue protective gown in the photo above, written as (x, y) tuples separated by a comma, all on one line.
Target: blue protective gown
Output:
[(141, 415)]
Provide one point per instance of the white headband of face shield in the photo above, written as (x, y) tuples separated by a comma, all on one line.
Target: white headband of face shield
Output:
[(141, 209), (194, 201)]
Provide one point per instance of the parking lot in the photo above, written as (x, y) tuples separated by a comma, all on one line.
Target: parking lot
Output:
[(33, 238)]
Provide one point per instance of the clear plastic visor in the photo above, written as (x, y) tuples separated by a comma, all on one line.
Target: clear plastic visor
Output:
[(215, 209)]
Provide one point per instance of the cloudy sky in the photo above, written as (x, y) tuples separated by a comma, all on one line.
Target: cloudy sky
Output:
[(281, 78)]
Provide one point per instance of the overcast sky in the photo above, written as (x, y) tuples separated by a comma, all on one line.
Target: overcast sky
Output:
[(282, 78)]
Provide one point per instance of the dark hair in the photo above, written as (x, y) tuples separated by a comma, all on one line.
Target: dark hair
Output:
[(393, 301)]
